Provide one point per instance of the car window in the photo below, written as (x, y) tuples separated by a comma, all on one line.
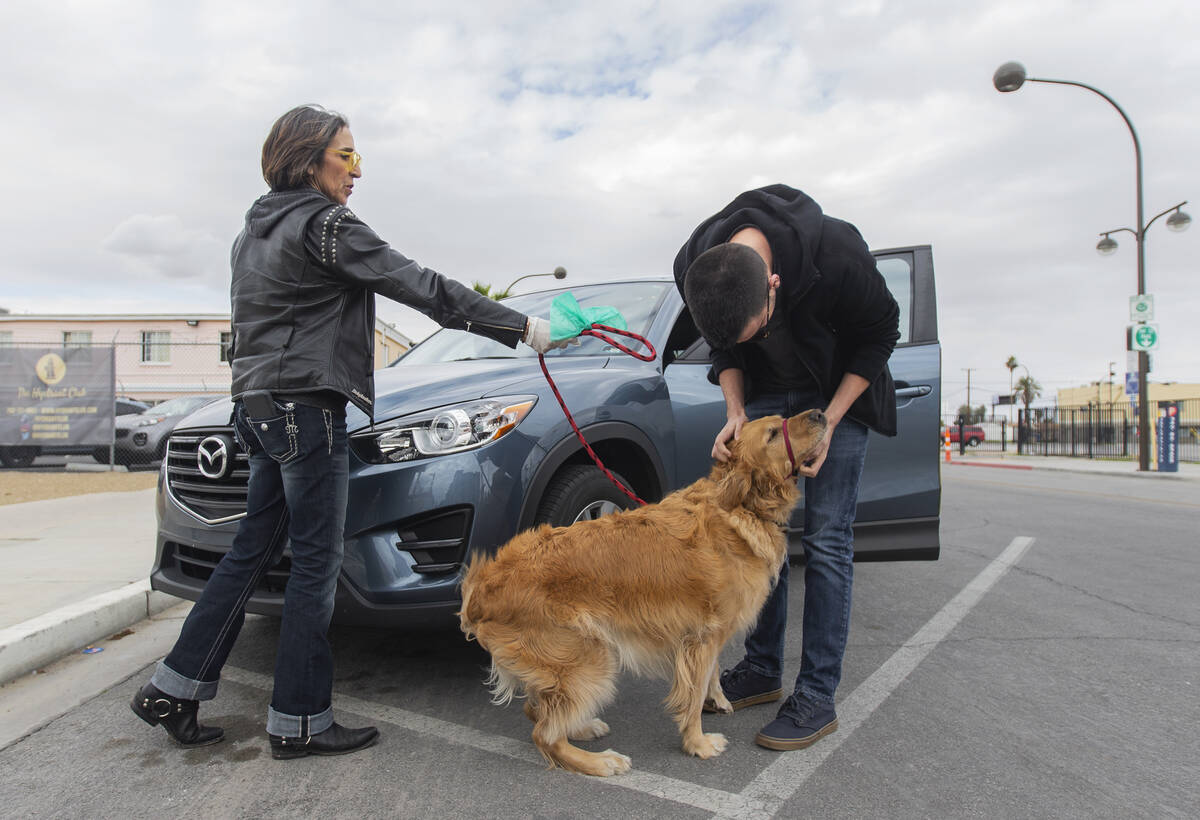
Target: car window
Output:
[(638, 302), (179, 406), (897, 272)]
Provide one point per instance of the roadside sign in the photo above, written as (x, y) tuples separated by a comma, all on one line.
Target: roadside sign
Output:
[(1168, 437), (1141, 308), (1131, 384), (1142, 337)]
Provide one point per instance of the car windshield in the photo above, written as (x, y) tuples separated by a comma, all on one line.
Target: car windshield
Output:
[(637, 302), (179, 406)]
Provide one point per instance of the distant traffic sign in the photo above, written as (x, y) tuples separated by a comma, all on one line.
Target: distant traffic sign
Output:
[(1131, 384), (1142, 337), (1141, 308)]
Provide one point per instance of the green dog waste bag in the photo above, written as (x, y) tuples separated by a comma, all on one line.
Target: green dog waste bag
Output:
[(568, 319)]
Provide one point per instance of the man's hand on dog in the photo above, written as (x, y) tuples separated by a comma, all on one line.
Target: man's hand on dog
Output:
[(813, 465), (732, 429)]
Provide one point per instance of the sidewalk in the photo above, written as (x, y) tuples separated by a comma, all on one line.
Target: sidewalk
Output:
[(72, 572), (1188, 471)]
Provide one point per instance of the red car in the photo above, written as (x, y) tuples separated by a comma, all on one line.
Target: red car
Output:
[(972, 433)]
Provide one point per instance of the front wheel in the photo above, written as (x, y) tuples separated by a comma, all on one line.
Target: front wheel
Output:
[(581, 493), (972, 442)]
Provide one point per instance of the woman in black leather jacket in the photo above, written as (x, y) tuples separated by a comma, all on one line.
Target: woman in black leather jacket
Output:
[(305, 274)]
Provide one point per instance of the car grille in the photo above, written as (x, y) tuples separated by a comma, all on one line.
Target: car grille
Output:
[(198, 563), (213, 501)]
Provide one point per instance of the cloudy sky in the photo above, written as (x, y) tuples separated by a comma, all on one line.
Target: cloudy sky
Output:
[(507, 138)]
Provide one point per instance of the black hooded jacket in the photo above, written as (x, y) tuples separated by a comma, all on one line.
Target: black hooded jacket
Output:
[(305, 275), (840, 312)]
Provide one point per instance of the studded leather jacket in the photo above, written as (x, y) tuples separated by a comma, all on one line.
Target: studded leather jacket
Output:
[(305, 274)]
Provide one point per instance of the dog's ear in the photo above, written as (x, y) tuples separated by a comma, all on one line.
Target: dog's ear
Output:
[(733, 485)]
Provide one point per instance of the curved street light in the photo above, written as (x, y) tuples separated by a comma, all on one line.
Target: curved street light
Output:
[(558, 273), (1010, 77)]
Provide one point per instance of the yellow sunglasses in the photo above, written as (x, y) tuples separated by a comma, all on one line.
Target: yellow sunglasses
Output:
[(352, 158)]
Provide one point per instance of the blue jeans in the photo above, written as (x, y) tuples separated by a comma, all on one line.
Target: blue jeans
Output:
[(830, 502), (296, 496)]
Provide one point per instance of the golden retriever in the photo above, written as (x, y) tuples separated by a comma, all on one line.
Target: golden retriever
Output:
[(657, 590)]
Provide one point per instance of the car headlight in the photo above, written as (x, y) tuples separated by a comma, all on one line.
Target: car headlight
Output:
[(442, 430), (146, 421)]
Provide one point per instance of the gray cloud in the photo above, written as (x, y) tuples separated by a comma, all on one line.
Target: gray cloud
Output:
[(505, 139)]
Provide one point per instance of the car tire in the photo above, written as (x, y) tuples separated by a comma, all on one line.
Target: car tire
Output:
[(18, 456), (972, 442), (581, 493)]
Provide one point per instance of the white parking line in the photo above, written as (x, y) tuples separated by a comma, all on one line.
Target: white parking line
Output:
[(776, 784), (667, 788)]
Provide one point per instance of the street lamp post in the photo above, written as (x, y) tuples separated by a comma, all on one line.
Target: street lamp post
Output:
[(1010, 77), (558, 273)]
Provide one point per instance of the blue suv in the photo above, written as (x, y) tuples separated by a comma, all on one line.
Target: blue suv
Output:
[(469, 446)]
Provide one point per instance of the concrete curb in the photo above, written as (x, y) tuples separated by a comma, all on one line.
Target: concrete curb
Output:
[(46, 638)]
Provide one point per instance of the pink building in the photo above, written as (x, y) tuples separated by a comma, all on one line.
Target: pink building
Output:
[(159, 356)]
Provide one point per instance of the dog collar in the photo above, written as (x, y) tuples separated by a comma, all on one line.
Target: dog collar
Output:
[(787, 441)]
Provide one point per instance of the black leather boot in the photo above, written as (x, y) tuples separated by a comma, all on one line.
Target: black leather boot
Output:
[(336, 740), (177, 716)]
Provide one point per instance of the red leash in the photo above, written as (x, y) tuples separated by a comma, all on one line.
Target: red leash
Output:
[(595, 330)]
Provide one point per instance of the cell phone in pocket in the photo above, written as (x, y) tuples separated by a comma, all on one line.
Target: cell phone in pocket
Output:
[(259, 404)]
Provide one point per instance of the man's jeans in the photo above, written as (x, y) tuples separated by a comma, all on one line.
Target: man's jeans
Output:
[(297, 494), (830, 501)]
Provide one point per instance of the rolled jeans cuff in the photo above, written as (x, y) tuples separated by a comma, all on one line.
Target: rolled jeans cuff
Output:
[(282, 725), (170, 682)]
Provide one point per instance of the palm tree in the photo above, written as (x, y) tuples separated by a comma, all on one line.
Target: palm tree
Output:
[(486, 290), (1028, 389)]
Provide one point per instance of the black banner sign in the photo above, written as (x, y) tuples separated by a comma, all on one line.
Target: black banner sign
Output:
[(56, 396)]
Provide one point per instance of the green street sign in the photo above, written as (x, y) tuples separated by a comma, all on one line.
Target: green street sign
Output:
[(1143, 337), (1141, 308)]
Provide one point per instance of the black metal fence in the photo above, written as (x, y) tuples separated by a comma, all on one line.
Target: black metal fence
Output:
[(1107, 431)]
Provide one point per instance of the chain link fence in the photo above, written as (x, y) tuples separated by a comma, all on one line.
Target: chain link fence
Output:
[(113, 404)]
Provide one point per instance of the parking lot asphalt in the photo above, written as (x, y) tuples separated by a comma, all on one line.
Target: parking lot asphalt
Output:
[(75, 570), (1042, 667)]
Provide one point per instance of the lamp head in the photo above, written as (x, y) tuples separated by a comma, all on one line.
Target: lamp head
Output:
[(1106, 246), (560, 272), (1178, 221), (1009, 77)]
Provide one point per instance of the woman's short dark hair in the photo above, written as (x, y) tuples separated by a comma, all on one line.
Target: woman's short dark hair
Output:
[(725, 287), (296, 143)]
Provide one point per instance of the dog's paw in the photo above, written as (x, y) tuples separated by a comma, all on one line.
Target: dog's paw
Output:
[(591, 731), (718, 704), (611, 763), (709, 745)]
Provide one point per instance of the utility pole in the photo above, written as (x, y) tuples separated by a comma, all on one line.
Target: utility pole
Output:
[(970, 408)]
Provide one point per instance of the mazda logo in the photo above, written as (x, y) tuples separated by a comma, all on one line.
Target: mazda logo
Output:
[(214, 457)]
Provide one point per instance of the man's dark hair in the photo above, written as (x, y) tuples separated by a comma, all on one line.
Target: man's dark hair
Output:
[(725, 287), (295, 145)]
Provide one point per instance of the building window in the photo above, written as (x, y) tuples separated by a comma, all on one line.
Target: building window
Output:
[(77, 338), (156, 346), (226, 345)]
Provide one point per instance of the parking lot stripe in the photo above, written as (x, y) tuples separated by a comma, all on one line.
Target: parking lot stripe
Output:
[(776, 784), (665, 788)]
